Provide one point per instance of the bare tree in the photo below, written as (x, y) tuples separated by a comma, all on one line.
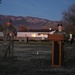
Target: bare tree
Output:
[(69, 15), (0, 1)]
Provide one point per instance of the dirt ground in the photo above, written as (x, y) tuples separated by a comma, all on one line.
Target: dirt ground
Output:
[(34, 58)]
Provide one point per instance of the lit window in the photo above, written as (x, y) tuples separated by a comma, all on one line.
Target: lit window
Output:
[(42, 35), (33, 35)]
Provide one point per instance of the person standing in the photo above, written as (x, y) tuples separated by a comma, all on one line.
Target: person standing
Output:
[(9, 33), (60, 30), (72, 38)]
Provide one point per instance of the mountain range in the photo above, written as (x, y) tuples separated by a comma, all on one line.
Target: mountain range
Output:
[(29, 22)]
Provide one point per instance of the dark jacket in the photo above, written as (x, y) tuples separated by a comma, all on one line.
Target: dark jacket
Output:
[(62, 32), (7, 30)]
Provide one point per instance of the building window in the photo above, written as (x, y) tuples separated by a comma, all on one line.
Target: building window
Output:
[(33, 35)]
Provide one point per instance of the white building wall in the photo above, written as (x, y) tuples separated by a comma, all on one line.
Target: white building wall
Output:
[(25, 34), (51, 32), (30, 34)]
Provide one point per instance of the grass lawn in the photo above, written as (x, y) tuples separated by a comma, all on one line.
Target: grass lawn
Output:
[(34, 58)]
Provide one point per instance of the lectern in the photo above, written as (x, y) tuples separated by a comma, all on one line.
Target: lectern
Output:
[(57, 48)]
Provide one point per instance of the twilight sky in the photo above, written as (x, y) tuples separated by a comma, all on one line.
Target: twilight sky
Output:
[(46, 9)]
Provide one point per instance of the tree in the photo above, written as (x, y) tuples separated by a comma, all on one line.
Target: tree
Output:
[(22, 28), (69, 15), (1, 27), (45, 27), (0, 1)]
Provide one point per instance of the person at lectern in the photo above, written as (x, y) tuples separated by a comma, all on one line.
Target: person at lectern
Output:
[(60, 30)]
